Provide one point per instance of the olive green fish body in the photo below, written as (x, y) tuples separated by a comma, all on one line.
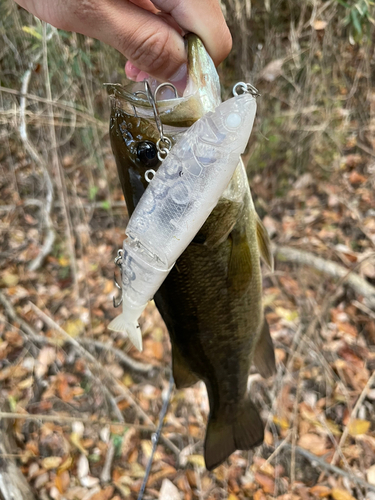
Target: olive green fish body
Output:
[(211, 301), (211, 304)]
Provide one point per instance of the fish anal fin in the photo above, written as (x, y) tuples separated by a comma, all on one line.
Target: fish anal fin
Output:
[(264, 244), (243, 432), (240, 268), (183, 376), (122, 325), (264, 355)]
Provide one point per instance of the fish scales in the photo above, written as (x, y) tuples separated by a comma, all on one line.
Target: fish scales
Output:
[(211, 301)]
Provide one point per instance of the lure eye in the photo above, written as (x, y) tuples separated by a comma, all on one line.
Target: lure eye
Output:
[(147, 153)]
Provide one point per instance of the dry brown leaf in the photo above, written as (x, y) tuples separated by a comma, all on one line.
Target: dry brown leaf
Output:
[(74, 327), (273, 70), (62, 481), (105, 494), (196, 460), (46, 357), (76, 441), (281, 422), (147, 450), (51, 462), (259, 495), (167, 471), (371, 474), (314, 443), (320, 491), (356, 178), (68, 462), (10, 279), (267, 483), (358, 427), (339, 494), (319, 25), (168, 491)]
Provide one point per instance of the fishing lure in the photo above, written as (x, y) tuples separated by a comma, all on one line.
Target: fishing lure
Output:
[(180, 197)]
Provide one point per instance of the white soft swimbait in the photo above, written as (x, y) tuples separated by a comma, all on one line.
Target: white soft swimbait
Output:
[(177, 202)]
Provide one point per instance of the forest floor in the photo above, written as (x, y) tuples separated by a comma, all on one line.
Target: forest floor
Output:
[(78, 405)]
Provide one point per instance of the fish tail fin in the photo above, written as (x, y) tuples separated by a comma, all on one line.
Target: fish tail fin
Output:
[(121, 324), (223, 437)]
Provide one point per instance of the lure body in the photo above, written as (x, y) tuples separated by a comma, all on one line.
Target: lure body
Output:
[(179, 199)]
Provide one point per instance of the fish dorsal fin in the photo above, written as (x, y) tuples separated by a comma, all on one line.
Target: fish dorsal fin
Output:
[(182, 375), (264, 244), (240, 268), (264, 355)]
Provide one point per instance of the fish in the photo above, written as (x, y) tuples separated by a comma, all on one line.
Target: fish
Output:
[(211, 299)]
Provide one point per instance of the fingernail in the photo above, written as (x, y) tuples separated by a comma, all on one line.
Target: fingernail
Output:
[(142, 75), (131, 71)]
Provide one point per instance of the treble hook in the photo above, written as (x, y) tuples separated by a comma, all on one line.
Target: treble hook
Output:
[(118, 262), (164, 144)]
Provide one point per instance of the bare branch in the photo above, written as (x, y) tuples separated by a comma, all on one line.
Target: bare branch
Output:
[(359, 284)]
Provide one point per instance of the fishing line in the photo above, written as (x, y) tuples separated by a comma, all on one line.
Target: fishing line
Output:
[(156, 436)]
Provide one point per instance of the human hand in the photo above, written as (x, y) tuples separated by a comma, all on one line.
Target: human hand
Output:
[(147, 32)]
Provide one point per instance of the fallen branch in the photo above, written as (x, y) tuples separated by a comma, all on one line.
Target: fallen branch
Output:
[(329, 467), (24, 326), (125, 360), (13, 485), (156, 436), (61, 419), (359, 284), (353, 416), (106, 475)]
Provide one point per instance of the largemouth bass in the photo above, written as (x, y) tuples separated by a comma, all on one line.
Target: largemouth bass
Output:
[(211, 301)]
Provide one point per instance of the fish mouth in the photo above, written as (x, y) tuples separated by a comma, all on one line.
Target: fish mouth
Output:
[(201, 94)]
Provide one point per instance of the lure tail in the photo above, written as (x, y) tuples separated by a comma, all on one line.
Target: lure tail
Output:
[(127, 322)]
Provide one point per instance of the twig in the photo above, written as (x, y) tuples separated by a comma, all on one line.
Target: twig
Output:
[(102, 372), (57, 168), (134, 365), (13, 485), (24, 326), (364, 308), (50, 238), (359, 284), (353, 415), (70, 420), (156, 436), (325, 465), (105, 475), (57, 104)]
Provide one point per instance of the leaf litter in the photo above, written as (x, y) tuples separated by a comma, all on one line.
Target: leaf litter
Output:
[(70, 423)]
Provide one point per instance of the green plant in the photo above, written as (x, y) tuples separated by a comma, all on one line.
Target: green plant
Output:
[(359, 16)]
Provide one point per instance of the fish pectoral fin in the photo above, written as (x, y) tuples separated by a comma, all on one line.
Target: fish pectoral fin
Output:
[(264, 244), (183, 376), (133, 330), (243, 432), (264, 355), (240, 269)]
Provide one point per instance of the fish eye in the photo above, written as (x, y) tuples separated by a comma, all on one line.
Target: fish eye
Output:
[(147, 153)]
